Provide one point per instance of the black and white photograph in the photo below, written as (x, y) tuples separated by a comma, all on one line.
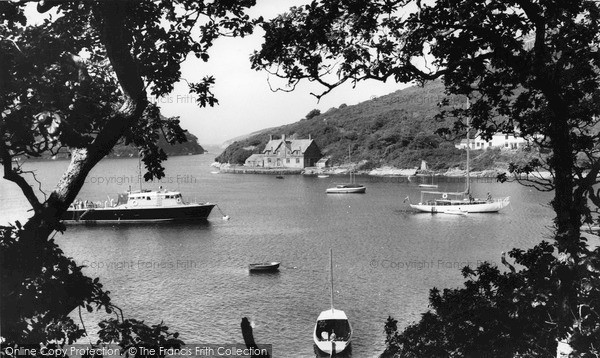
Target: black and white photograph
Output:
[(299, 178)]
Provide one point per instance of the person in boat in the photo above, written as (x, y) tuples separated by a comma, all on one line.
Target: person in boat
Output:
[(332, 336), (470, 198), (489, 197)]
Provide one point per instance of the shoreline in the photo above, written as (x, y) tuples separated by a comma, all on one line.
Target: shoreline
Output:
[(384, 171)]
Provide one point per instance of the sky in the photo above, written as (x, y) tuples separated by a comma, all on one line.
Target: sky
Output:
[(246, 103)]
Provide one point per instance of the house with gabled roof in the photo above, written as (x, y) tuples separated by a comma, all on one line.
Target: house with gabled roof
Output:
[(287, 153)]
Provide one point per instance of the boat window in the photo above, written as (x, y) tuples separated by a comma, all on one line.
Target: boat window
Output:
[(147, 198)]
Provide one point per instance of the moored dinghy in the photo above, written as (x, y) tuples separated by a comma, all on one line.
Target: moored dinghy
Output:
[(332, 333), (264, 267), (349, 188)]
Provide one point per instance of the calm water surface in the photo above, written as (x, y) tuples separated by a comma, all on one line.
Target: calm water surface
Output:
[(195, 277)]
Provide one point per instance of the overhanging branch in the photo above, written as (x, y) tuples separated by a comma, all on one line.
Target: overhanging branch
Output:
[(13, 176)]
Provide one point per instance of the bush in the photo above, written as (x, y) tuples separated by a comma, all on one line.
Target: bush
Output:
[(505, 314)]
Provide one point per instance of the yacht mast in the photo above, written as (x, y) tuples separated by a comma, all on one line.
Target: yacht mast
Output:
[(331, 276), (468, 184), (140, 171)]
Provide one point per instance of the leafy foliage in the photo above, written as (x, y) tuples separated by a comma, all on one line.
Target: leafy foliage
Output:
[(504, 314), (79, 80), (528, 66)]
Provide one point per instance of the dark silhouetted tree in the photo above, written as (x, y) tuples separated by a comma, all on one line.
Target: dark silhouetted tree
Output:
[(79, 80), (527, 66)]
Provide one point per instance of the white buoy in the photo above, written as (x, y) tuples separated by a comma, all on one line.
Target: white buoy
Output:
[(226, 217)]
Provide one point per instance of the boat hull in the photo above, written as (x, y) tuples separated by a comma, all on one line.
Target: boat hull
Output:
[(264, 267), (463, 208), (348, 190), (137, 215), (337, 322)]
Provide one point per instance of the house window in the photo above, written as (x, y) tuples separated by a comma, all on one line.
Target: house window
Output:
[(269, 160), (287, 160), (506, 145), (297, 160), (506, 137), (489, 144)]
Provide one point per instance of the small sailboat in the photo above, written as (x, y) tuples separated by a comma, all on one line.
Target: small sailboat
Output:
[(348, 188), (332, 331)]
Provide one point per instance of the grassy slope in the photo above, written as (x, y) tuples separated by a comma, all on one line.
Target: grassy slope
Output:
[(396, 129)]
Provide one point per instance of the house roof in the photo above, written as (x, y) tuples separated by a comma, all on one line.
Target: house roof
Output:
[(292, 144), (255, 157)]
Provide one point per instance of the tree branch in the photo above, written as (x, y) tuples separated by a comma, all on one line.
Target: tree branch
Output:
[(12, 175)]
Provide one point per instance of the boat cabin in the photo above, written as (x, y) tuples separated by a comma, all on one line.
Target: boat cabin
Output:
[(147, 198), (333, 326)]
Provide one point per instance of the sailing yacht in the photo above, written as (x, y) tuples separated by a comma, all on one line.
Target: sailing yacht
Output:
[(332, 331), (348, 188), (459, 202)]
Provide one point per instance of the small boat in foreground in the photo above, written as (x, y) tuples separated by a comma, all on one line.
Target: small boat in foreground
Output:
[(322, 176), (264, 267), (332, 333)]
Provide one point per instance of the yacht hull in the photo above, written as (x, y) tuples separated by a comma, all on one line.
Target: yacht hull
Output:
[(126, 214), (463, 207), (332, 321), (347, 190)]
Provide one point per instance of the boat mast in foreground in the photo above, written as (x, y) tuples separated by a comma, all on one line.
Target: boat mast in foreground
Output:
[(332, 331)]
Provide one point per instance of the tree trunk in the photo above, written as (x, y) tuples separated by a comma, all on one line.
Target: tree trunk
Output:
[(568, 218)]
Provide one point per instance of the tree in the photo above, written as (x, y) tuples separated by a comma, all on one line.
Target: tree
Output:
[(79, 80), (528, 66), (312, 114)]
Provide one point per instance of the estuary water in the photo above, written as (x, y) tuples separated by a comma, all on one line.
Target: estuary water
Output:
[(194, 277)]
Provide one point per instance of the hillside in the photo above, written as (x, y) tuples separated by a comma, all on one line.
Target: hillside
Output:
[(395, 129), (189, 147), (124, 151)]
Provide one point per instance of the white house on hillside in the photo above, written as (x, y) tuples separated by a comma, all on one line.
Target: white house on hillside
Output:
[(499, 140)]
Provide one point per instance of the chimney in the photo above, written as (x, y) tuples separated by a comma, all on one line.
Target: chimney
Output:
[(309, 136), (283, 137), (270, 137)]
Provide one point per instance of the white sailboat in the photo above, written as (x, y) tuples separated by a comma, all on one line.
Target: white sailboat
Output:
[(459, 202), (349, 188), (332, 331)]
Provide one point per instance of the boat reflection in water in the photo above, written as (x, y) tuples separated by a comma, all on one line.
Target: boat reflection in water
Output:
[(138, 207)]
